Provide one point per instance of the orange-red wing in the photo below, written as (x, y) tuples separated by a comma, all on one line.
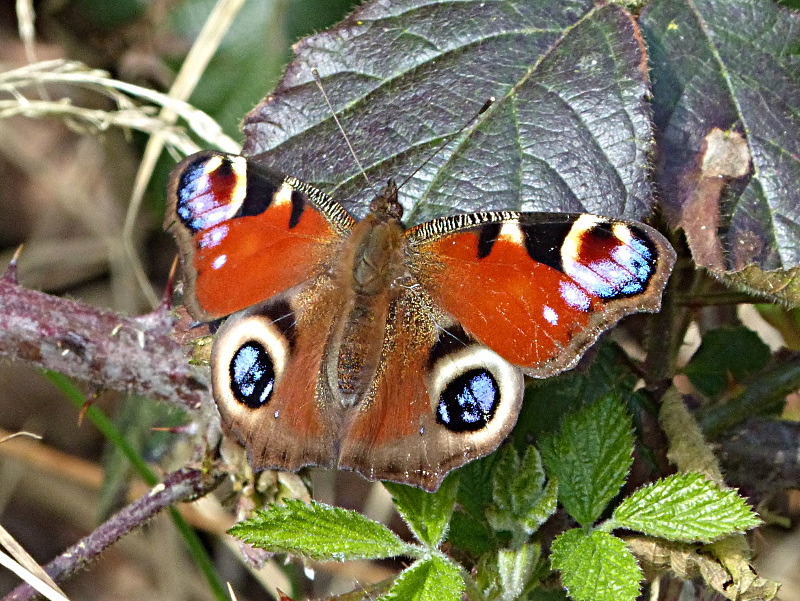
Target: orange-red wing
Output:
[(297, 425), (538, 288), (246, 233)]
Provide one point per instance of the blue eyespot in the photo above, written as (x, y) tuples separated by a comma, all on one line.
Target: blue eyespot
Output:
[(468, 403), (252, 375)]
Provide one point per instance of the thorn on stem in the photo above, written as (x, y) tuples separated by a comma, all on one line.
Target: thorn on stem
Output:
[(166, 300), (10, 275), (82, 414), (187, 429)]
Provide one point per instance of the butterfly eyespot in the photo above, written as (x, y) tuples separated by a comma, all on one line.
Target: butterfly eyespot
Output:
[(468, 403), (252, 375), (473, 390), (248, 361)]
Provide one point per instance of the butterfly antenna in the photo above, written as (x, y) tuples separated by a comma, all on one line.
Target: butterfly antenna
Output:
[(448, 139), (318, 81)]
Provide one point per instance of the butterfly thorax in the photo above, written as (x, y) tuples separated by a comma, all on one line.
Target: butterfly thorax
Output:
[(374, 264)]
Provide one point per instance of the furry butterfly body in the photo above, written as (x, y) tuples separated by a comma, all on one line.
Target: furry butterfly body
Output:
[(398, 353)]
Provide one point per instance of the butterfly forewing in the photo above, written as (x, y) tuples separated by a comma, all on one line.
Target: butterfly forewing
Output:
[(539, 288), (246, 233)]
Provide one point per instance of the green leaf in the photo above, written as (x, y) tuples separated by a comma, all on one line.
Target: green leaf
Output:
[(431, 579), (469, 529), (516, 569), (471, 535), (320, 532), (427, 514), (522, 502), (590, 456), (506, 574), (596, 566), (684, 507), (599, 110), (475, 491), (547, 401), (725, 352), (732, 66)]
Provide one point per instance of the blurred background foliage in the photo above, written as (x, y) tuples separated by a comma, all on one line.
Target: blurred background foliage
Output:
[(142, 42)]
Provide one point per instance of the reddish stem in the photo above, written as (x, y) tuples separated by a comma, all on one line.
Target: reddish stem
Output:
[(183, 485), (107, 350)]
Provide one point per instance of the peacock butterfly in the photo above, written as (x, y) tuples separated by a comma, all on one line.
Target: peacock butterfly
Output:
[(398, 353)]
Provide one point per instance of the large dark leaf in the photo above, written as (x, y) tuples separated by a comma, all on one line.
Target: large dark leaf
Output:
[(727, 104), (569, 130)]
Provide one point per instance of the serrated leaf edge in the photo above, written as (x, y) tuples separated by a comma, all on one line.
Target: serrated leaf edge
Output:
[(680, 481)]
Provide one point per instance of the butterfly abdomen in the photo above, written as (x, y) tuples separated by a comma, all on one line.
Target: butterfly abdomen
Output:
[(360, 342)]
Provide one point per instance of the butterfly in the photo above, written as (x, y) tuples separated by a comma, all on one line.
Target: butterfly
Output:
[(398, 353)]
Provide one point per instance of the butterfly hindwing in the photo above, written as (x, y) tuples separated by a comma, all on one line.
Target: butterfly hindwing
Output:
[(491, 295), (266, 379), (247, 233), (439, 399), (539, 288)]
